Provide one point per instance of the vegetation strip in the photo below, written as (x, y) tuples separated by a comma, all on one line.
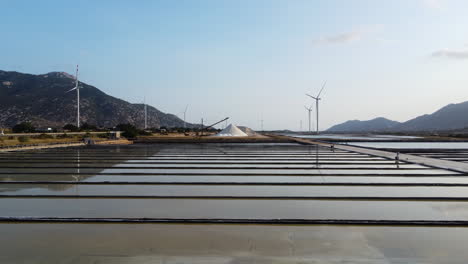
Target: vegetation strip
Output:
[(278, 221)]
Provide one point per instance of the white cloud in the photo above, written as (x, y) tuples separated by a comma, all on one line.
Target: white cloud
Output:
[(341, 38), (451, 54), (434, 4), (348, 37)]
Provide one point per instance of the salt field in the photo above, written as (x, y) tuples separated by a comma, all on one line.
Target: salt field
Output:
[(369, 137), (227, 203), (413, 145)]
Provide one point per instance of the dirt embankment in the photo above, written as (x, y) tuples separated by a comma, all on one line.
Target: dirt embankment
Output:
[(209, 139)]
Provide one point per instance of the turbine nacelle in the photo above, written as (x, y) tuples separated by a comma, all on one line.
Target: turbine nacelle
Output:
[(315, 98)]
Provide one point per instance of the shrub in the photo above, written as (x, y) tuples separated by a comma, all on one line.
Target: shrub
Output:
[(107, 135), (87, 135), (144, 133), (44, 136), (64, 135), (71, 127), (23, 139), (129, 131), (25, 127), (87, 126)]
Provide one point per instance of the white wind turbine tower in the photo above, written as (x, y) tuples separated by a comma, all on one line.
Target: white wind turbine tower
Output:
[(317, 99), (77, 98), (309, 110), (146, 113), (185, 112)]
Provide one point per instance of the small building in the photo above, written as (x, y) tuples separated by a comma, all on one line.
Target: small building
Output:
[(44, 129), (114, 135)]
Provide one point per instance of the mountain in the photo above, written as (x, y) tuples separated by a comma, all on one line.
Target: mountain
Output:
[(450, 117), (376, 124), (44, 101)]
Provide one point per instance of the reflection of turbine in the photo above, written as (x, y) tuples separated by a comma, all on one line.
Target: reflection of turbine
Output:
[(317, 99), (318, 163), (77, 177)]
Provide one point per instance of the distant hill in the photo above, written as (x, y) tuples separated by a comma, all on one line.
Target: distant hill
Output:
[(42, 100), (450, 117), (376, 124)]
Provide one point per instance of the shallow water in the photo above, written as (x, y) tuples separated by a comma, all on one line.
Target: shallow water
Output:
[(352, 136), (141, 168), (229, 244), (413, 145)]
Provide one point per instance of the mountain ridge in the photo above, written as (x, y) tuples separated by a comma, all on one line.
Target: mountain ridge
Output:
[(376, 124), (43, 100), (450, 117)]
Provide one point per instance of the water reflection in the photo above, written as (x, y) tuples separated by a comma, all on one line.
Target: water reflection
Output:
[(154, 243), (229, 244)]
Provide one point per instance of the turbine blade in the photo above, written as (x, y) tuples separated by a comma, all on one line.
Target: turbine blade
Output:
[(323, 86), (311, 96), (71, 90)]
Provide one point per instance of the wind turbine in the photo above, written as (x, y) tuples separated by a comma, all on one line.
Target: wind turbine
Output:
[(77, 98), (317, 99), (309, 110), (146, 113), (185, 111)]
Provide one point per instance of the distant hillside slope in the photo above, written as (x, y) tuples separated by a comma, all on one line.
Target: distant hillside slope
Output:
[(42, 99), (452, 116), (377, 124)]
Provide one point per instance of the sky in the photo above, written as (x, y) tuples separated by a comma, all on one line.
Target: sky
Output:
[(251, 60)]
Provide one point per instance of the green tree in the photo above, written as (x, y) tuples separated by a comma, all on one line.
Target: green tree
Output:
[(87, 126), (24, 127), (70, 127), (129, 131)]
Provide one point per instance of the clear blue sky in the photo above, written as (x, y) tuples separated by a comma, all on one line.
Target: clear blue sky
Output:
[(251, 59)]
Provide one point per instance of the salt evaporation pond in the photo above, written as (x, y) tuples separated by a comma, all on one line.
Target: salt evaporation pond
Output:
[(226, 182)]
